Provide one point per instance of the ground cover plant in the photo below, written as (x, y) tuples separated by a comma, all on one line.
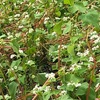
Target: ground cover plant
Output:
[(49, 50)]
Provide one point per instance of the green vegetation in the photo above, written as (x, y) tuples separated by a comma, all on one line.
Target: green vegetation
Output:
[(49, 49)]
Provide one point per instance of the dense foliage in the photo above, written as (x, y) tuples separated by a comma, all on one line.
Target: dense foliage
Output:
[(49, 49)]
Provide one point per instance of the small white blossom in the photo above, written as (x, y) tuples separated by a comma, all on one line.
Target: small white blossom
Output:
[(1, 80), (15, 67), (69, 84), (39, 88), (50, 76), (89, 66), (26, 16), (20, 26), (46, 20), (78, 84), (47, 88), (86, 52), (10, 36), (79, 54), (93, 37), (97, 85), (29, 62), (30, 30), (97, 40), (72, 68), (57, 18), (65, 18), (95, 48), (90, 59), (17, 15), (94, 32), (78, 66), (12, 56), (58, 87), (53, 33), (63, 92), (20, 51)]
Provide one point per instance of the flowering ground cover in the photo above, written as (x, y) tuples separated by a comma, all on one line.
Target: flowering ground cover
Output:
[(49, 50)]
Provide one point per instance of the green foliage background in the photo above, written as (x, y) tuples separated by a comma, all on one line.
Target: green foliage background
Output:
[(49, 49)]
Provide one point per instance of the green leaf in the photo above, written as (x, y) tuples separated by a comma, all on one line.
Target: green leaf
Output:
[(92, 94), (70, 49), (74, 39), (77, 7), (15, 63), (22, 79), (82, 89), (32, 1), (68, 27), (13, 89), (46, 95), (57, 27), (15, 45), (91, 17), (40, 78), (58, 13), (69, 2)]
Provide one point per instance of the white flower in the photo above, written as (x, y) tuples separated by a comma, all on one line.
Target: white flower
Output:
[(7, 97), (78, 66), (86, 52), (69, 84), (53, 33), (90, 59), (20, 26), (65, 18), (50, 76), (26, 16), (12, 56), (58, 87), (79, 54), (20, 51), (97, 40), (95, 48), (97, 85), (94, 32), (1, 80), (72, 68), (46, 18), (93, 37), (63, 92), (39, 88), (30, 30), (89, 66), (15, 67), (47, 88), (29, 62), (57, 18), (17, 15), (78, 84)]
